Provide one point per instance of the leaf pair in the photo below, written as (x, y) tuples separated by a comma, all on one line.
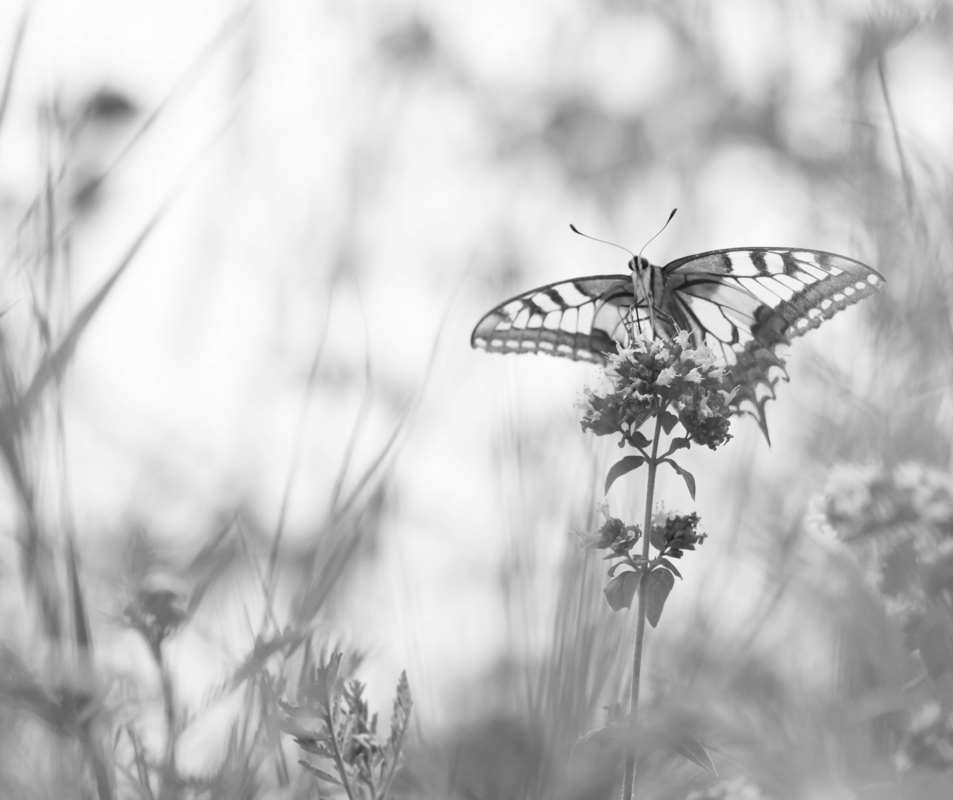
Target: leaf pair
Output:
[(621, 590), (625, 465)]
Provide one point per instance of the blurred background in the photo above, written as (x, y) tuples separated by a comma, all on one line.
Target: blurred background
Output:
[(244, 246)]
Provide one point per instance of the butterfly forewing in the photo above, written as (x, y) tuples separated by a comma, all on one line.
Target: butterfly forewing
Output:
[(581, 319), (741, 302)]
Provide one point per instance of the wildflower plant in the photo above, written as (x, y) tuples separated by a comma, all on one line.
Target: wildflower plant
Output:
[(331, 722), (670, 387)]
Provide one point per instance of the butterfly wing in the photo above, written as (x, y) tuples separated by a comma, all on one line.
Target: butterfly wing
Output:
[(745, 302), (581, 319)]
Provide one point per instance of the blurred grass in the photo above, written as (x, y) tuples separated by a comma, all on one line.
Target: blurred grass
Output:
[(784, 663)]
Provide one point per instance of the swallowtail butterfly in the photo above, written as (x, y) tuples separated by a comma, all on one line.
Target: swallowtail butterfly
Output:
[(742, 302)]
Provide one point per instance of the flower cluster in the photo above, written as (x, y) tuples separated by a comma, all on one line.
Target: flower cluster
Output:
[(614, 535), (676, 534), (652, 376), (671, 535)]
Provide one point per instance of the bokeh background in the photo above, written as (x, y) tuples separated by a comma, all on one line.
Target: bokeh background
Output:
[(298, 211)]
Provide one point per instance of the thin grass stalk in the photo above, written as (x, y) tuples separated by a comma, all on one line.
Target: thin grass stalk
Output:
[(629, 775)]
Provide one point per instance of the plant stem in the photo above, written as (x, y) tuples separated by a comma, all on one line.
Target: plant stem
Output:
[(629, 776)]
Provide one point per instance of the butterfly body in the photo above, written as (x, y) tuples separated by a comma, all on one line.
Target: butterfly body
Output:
[(741, 302)]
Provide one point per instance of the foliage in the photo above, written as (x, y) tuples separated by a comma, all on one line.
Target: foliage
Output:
[(331, 721)]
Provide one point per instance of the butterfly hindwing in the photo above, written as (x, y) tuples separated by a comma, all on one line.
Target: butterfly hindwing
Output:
[(748, 301)]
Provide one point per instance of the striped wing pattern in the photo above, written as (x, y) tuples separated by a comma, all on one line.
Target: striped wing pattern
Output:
[(742, 302), (581, 319)]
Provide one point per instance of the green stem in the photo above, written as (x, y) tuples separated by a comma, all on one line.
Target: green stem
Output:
[(629, 777)]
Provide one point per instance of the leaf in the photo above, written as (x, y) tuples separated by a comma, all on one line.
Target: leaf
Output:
[(612, 570), (403, 704), (658, 537), (320, 773), (606, 746), (621, 467), (639, 439), (688, 477), (679, 443), (318, 746), (621, 589), (668, 420), (658, 584), (670, 566), (689, 747)]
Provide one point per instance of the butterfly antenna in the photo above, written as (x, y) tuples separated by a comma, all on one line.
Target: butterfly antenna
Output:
[(659, 233), (641, 273), (574, 229)]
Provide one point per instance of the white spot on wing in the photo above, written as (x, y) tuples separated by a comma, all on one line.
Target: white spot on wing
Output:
[(571, 295), (569, 321), (545, 302), (741, 263), (584, 317), (808, 265)]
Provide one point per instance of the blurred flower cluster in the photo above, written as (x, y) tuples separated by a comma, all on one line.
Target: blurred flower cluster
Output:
[(898, 523), (653, 375), (866, 500), (929, 739)]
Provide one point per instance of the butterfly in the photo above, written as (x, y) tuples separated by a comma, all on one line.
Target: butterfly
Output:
[(742, 302)]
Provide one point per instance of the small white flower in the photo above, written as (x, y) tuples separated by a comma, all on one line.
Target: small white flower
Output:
[(693, 376), (684, 339), (728, 395), (666, 376)]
